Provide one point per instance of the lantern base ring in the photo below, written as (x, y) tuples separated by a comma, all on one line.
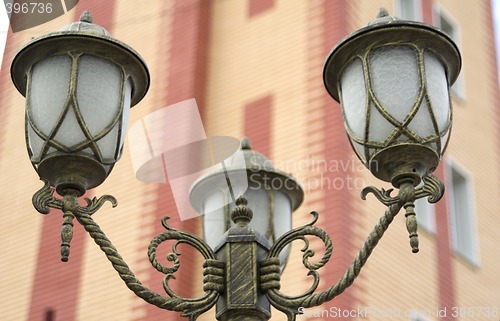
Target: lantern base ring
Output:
[(396, 163), (76, 172)]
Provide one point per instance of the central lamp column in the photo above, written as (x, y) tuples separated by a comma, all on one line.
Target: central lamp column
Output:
[(241, 249)]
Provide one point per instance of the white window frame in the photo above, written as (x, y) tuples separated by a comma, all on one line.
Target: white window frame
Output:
[(458, 90), (417, 7), (471, 255), (426, 215)]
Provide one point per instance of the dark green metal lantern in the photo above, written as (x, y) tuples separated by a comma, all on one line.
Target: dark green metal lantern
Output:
[(393, 81), (79, 85)]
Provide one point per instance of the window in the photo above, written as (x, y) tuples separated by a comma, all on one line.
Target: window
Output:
[(409, 10), (462, 217), (425, 215), (444, 22)]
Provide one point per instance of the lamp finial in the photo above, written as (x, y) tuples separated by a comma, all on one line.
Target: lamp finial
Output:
[(382, 12), (245, 143), (241, 214), (86, 17)]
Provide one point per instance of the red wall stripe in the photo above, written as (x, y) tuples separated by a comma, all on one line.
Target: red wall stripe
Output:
[(492, 61), (427, 12), (257, 125), (185, 79), (56, 285), (337, 202), (444, 260), (444, 253), (256, 7)]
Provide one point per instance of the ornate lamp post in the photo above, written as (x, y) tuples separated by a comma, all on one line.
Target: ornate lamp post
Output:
[(392, 78), (79, 85)]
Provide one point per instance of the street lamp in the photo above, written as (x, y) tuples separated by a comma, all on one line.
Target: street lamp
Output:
[(273, 193), (79, 85), (393, 80)]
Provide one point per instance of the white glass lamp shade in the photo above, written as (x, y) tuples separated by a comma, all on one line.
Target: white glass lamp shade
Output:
[(401, 97), (79, 85), (79, 106), (393, 80)]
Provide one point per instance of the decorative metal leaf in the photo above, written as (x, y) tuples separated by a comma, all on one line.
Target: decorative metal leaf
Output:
[(43, 200), (433, 188), (382, 195), (96, 203), (196, 305)]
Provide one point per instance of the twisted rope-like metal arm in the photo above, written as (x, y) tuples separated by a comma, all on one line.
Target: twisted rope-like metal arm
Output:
[(189, 307), (290, 305), (270, 271)]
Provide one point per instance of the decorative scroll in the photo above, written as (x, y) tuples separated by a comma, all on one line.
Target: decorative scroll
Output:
[(270, 271), (213, 285), (432, 188), (270, 267), (186, 238), (189, 307), (43, 200), (300, 233)]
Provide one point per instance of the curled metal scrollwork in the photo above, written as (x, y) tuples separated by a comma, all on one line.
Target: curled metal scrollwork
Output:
[(384, 196), (300, 233), (270, 266), (94, 204), (269, 269), (198, 305), (432, 188), (44, 200)]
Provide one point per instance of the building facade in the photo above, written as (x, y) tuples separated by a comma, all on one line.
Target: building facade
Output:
[(255, 69)]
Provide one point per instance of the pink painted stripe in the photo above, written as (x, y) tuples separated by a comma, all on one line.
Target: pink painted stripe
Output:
[(256, 7), (258, 124), (338, 221), (444, 259), (186, 79)]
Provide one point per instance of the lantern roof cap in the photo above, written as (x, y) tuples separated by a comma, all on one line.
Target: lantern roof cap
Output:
[(77, 38), (86, 25), (387, 30)]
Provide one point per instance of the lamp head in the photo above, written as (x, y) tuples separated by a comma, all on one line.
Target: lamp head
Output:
[(247, 177), (79, 85), (392, 78)]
